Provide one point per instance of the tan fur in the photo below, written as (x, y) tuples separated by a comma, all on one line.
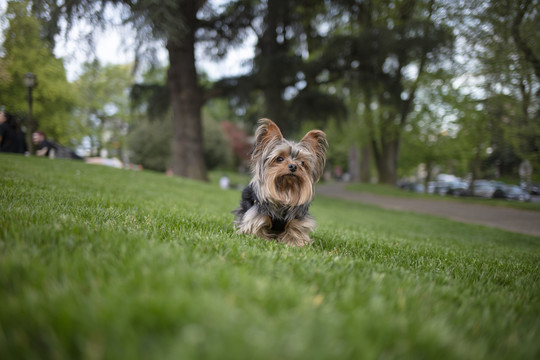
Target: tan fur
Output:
[(315, 141), (296, 233), (283, 194)]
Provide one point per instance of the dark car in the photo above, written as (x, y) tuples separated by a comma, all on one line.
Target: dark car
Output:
[(457, 188), (535, 189), (514, 192)]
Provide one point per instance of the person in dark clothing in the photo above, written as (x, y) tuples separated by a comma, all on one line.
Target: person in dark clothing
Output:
[(8, 134), (44, 147), (22, 146), (51, 149)]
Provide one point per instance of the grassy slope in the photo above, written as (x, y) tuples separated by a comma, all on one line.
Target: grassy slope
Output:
[(105, 263)]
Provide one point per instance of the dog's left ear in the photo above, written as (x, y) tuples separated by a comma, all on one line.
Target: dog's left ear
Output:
[(315, 142)]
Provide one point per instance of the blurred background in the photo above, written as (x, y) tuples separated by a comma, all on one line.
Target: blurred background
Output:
[(431, 95)]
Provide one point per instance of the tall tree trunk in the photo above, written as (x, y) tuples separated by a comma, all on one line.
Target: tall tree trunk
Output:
[(186, 100), (387, 162), (354, 163), (365, 165), (271, 71), (386, 139), (429, 171), (475, 168), (100, 135)]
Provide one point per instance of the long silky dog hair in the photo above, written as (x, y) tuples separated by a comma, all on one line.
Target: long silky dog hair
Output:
[(275, 203)]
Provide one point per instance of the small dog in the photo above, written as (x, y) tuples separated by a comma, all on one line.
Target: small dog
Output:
[(275, 203)]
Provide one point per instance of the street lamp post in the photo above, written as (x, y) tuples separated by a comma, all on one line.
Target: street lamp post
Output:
[(30, 82)]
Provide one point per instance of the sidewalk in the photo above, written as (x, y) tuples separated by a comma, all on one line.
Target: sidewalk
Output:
[(515, 220)]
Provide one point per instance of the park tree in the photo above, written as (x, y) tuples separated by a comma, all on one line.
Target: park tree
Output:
[(151, 136), (149, 142), (475, 134), (283, 84), (26, 51), (386, 47), (179, 25), (504, 47), (4, 73), (525, 19), (103, 112), (310, 58), (287, 29), (519, 117), (430, 135)]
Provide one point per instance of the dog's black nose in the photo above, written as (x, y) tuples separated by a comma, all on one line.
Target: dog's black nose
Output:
[(293, 167)]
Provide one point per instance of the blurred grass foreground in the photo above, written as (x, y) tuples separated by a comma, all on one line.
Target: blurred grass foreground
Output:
[(102, 263)]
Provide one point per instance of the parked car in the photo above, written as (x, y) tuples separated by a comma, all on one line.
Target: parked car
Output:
[(431, 187), (514, 192), (535, 189), (419, 188), (441, 187), (457, 188), (500, 190), (411, 186), (483, 188), (444, 184)]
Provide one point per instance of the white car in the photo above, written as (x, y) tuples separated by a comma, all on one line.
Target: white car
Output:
[(483, 188)]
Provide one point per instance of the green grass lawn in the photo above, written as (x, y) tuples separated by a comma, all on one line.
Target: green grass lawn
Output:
[(101, 263)]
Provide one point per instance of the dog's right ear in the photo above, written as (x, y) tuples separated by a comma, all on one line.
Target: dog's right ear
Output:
[(266, 134), (315, 141)]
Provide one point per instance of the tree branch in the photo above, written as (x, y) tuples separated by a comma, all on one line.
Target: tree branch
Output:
[(521, 43), (423, 59)]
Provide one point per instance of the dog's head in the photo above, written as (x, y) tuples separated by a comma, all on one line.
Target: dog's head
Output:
[(284, 170)]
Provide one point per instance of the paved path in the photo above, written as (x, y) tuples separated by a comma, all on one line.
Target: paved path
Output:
[(515, 220)]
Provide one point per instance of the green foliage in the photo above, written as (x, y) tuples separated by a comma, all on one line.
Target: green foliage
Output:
[(217, 149), (151, 99), (104, 112), (338, 141), (150, 144), (150, 136), (105, 263), (382, 50), (363, 71), (150, 141), (26, 51), (5, 78), (151, 95), (282, 83), (430, 137), (508, 81)]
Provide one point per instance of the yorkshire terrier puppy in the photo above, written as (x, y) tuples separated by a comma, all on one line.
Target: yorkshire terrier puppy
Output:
[(275, 203)]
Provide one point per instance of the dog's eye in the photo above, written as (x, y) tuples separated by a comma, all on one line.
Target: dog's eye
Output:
[(302, 163), (279, 159)]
